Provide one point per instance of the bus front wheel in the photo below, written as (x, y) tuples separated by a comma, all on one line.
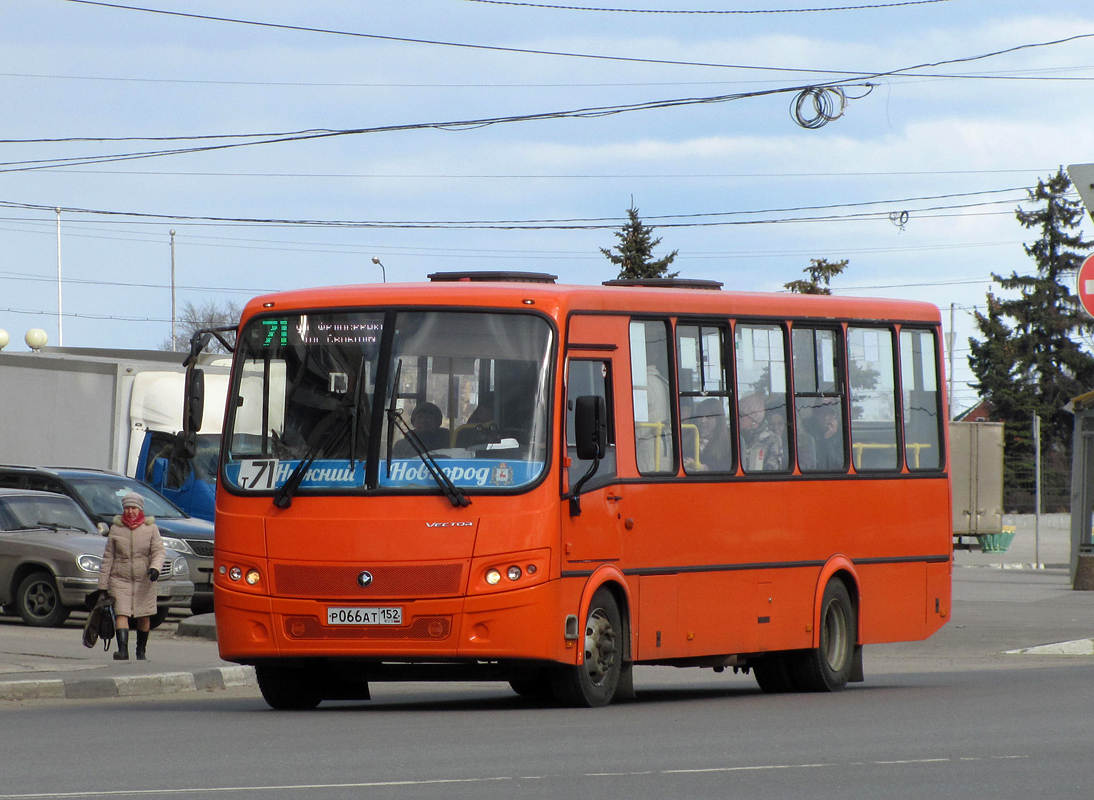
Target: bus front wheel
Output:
[(593, 683), (288, 688), (827, 668)]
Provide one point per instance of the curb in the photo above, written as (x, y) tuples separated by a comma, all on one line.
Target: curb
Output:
[(129, 686)]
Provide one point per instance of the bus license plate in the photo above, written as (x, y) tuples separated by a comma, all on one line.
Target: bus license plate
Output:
[(364, 616)]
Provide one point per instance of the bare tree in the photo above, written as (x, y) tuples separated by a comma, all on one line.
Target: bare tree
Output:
[(210, 314)]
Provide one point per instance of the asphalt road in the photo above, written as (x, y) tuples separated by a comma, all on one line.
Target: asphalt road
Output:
[(957, 715), (962, 733)]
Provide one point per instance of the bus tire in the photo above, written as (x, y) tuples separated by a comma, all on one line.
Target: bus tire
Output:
[(774, 673), (827, 667), (593, 683), (533, 683), (288, 688)]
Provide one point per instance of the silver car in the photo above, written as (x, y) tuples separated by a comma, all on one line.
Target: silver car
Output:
[(51, 554)]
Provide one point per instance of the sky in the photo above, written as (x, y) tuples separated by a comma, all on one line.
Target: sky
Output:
[(952, 110)]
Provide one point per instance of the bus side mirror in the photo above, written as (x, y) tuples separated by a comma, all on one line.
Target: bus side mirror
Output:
[(195, 399), (591, 427)]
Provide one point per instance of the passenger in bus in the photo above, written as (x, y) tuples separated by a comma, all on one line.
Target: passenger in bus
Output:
[(760, 448), (715, 448), (775, 420), (479, 428), (807, 446), (829, 442), (426, 421)]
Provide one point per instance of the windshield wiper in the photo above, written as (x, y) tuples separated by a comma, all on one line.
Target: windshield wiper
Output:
[(321, 439), (456, 496), (355, 412), (57, 526)]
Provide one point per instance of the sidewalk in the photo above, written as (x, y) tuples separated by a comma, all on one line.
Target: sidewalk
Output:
[(1002, 603), (53, 663)]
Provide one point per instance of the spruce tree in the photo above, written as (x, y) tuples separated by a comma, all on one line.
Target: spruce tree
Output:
[(634, 253), (820, 272), (1031, 359)]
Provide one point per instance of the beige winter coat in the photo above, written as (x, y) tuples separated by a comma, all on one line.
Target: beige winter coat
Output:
[(128, 557)]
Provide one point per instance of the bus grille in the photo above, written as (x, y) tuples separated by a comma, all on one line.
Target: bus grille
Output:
[(422, 628), (409, 580)]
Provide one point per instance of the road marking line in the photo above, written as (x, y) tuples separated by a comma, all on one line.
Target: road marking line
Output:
[(496, 779)]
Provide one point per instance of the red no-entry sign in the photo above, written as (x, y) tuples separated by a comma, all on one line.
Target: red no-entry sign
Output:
[(1085, 285)]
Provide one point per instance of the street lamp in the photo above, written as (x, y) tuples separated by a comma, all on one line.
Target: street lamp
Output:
[(376, 261)]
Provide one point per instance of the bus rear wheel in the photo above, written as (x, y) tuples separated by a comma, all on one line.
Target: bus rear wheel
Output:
[(593, 684), (288, 688), (827, 668), (775, 673)]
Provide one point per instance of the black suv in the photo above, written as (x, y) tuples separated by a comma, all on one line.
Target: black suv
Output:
[(99, 493)]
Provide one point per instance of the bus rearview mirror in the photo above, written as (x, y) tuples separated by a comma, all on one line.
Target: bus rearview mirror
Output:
[(591, 427), (195, 400)]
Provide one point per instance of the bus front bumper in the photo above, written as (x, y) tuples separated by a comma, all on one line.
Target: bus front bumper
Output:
[(520, 624)]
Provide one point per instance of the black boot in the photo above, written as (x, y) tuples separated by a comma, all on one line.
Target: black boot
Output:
[(142, 644), (123, 645)]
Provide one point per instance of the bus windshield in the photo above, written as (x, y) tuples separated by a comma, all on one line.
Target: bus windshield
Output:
[(467, 390)]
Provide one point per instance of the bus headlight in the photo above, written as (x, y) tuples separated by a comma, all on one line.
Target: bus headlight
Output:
[(511, 571), (252, 577)]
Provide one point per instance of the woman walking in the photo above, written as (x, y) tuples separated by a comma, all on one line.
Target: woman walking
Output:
[(131, 566)]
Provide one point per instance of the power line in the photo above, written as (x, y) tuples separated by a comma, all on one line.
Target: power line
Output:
[(324, 133), (1026, 74), (593, 223), (751, 11), (439, 43), (820, 94), (524, 51), (546, 176)]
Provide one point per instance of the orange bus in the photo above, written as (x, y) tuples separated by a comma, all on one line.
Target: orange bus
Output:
[(492, 476)]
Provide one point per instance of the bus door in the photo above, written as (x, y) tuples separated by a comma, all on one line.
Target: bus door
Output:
[(591, 528)]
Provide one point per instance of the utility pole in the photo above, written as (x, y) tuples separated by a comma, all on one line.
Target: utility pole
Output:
[(60, 329), (952, 338), (174, 342)]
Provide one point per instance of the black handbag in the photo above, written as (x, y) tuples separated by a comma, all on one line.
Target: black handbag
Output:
[(100, 621)]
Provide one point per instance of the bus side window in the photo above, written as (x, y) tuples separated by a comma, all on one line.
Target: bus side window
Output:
[(761, 397), (871, 371), (922, 400), (589, 377), (818, 400), (654, 438), (705, 440)]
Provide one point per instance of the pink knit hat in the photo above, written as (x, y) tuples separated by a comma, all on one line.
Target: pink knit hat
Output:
[(133, 499)]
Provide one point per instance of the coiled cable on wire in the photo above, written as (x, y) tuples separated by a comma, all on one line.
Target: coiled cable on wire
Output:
[(828, 103)]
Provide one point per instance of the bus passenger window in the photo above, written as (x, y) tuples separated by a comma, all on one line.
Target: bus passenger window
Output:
[(761, 397), (705, 440), (873, 399), (654, 438), (922, 400), (818, 400)]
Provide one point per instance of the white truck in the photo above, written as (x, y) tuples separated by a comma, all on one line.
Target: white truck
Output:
[(111, 409)]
